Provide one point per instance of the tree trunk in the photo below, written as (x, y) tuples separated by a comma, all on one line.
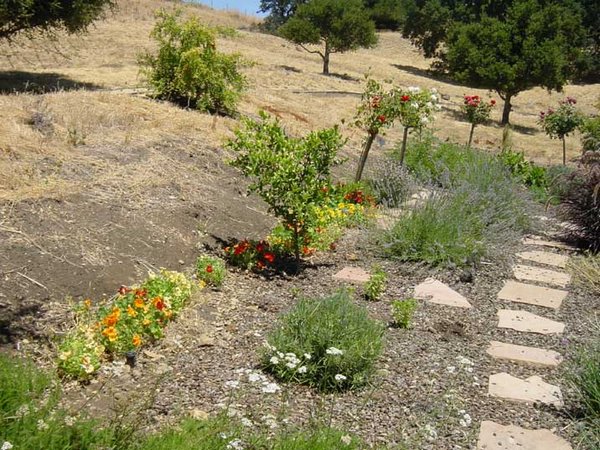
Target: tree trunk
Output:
[(471, 135), (326, 59), (564, 142), (403, 150), (364, 154), (506, 110)]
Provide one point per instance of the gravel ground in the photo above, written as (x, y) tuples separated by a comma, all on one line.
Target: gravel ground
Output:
[(430, 391)]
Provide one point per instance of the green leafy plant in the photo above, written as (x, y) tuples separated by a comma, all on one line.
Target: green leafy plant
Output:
[(476, 112), (249, 254), (590, 134), (189, 70), (559, 123), (375, 285), (403, 311), (211, 270), (330, 344), (292, 175)]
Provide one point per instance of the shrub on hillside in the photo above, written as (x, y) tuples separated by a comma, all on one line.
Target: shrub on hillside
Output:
[(328, 343), (189, 70), (581, 202), (590, 134)]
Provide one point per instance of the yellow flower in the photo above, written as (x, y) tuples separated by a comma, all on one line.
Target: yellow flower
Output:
[(130, 311), (146, 322), (138, 302), (136, 341), (110, 333), (87, 303)]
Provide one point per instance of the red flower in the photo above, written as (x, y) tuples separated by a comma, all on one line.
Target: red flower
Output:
[(141, 292), (260, 265), (381, 118), (405, 98), (492, 102), (270, 257), (209, 268), (158, 303), (261, 247), (124, 290)]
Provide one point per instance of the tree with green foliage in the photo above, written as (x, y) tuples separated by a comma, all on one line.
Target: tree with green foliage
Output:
[(291, 175), (337, 26), (29, 16), (279, 12), (560, 122), (506, 46), (189, 70)]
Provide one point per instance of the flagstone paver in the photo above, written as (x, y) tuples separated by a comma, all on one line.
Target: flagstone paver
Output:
[(353, 275), (548, 258), (528, 322), (529, 355), (437, 292), (536, 240), (531, 294), (493, 436), (537, 274), (532, 389)]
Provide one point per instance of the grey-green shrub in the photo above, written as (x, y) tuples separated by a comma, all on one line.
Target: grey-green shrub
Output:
[(390, 183), (189, 70), (330, 344), (476, 207)]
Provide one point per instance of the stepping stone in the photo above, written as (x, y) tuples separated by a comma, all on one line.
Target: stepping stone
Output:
[(530, 390), (528, 322), (352, 275), (530, 273), (493, 436), (521, 354), (437, 292), (531, 294), (550, 259), (536, 240)]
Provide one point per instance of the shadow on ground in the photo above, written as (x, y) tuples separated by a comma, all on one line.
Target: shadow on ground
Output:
[(427, 73), (15, 81)]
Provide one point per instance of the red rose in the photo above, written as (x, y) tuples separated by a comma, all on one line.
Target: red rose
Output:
[(381, 118)]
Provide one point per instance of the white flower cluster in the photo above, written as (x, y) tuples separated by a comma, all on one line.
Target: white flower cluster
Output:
[(465, 420), (466, 363), (334, 351), (6, 446), (254, 377), (291, 360)]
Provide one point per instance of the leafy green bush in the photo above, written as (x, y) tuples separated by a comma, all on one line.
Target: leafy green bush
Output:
[(375, 285), (211, 270), (590, 134), (328, 343), (403, 311), (581, 204), (189, 70), (292, 175)]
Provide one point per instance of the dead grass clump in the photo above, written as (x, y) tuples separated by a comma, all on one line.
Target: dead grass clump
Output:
[(585, 270)]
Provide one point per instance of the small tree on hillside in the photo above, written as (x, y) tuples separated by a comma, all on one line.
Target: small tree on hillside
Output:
[(509, 46), (28, 16), (338, 26)]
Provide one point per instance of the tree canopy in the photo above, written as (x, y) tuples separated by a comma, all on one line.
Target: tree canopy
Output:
[(506, 46), (23, 16), (337, 26)]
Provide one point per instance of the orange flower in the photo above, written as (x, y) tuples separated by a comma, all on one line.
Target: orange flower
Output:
[(110, 333), (139, 303), (116, 312), (260, 265), (87, 303), (141, 292), (110, 320), (158, 303), (130, 311), (136, 341)]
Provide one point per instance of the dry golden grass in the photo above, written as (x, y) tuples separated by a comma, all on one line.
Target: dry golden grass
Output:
[(35, 162)]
